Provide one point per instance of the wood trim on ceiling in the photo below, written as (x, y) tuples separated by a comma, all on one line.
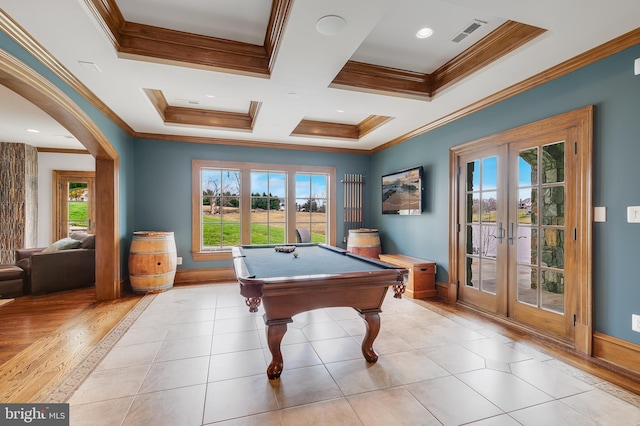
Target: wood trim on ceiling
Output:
[(63, 150), (170, 46), (280, 10), (203, 117), (111, 19), (377, 78), (132, 39), (139, 40), (247, 143), (501, 41), (343, 131), (25, 81), (589, 57), (28, 43)]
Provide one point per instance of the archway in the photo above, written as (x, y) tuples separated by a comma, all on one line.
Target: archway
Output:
[(23, 80)]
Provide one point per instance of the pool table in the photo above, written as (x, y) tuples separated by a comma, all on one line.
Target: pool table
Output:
[(313, 276)]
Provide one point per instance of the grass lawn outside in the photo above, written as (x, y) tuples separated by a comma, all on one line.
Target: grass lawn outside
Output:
[(267, 227), (78, 213)]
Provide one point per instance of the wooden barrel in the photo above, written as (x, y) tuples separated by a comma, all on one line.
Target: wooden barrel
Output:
[(152, 261), (365, 242)]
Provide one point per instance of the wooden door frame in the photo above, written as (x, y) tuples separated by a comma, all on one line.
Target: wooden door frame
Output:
[(20, 78), (59, 205), (582, 120)]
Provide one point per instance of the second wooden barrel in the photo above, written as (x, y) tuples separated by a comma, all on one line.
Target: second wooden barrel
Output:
[(152, 261), (365, 242)]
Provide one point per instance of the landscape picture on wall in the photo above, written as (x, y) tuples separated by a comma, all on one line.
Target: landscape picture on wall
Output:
[(402, 192)]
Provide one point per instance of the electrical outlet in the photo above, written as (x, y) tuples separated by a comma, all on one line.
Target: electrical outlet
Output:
[(635, 322), (179, 261)]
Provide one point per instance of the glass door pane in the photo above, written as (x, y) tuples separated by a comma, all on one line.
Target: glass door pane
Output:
[(482, 230), (268, 201), (220, 214), (540, 244), (538, 213), (78, 207), (312, 216)]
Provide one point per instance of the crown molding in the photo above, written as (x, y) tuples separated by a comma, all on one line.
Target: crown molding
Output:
[(28, 43), (609, 48)]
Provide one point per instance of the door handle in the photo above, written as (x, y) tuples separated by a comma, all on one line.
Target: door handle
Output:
[(510, 237), (500, 233)]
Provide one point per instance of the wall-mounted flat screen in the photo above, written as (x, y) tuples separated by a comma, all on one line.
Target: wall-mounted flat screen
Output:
[(402, 192)]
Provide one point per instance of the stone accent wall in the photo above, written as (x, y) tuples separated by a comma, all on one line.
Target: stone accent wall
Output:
[(18, 198)]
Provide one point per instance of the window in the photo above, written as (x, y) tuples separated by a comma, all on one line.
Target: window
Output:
[(311, 205), (268, 207), (220, 218), (252, 203)]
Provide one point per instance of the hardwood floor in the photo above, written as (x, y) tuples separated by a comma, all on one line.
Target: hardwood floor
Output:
[(45, 337)]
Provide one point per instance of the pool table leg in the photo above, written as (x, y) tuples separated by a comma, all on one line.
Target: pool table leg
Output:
[(372, 320), (275, 332)]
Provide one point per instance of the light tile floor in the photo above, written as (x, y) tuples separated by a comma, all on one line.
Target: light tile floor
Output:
[(197, 356)]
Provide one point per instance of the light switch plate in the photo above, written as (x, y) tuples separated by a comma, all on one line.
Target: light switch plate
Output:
[(635, 322), (633, 214), (599, 214)]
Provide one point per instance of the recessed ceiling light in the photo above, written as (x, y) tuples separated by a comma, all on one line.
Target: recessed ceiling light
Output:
[(424, 32), (339, 110), (211, 96), (33, 131), (330, 25), (292, 95)]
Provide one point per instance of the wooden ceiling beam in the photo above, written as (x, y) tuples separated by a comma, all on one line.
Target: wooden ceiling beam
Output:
[(500, 42), (325, 129), (375, 78), (185, 116)]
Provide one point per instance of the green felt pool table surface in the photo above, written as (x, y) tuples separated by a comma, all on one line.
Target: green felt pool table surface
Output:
[(266, 263)]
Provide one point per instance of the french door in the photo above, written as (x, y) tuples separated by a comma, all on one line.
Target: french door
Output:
[(74, 202), (522, 237)]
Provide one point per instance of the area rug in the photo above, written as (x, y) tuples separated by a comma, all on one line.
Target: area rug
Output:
[(5, 301), (74, 379)]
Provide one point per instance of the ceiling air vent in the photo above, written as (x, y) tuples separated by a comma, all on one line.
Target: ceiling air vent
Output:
[(474, 25)]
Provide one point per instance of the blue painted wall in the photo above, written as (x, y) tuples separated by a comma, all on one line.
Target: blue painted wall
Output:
[(155, 184), (612, 87), (122, 142), (163, 183)]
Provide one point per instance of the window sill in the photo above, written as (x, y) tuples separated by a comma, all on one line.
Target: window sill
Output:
[(203, 256)]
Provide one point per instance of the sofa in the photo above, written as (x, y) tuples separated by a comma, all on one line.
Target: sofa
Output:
[(67, 264)]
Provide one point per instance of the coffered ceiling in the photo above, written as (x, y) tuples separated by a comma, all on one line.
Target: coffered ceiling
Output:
[(331, 74)]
